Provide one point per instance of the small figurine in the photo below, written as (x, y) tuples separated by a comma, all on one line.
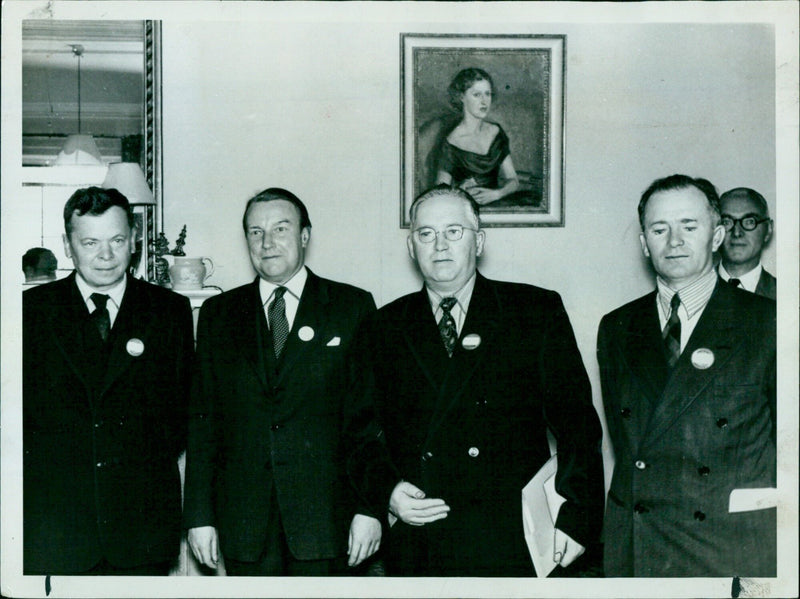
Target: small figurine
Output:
[(179, 243), (161, 247)]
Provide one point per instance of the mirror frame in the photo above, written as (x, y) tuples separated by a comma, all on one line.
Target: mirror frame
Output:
[(152, 131)]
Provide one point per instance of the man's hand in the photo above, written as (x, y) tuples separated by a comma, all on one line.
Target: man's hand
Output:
[(566, 549), (409, 504), (364, 539), (204, 544)]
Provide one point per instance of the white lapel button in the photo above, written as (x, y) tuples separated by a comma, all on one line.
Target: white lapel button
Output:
[(306, 333), (471, 341), (702, 358), (135, 347)]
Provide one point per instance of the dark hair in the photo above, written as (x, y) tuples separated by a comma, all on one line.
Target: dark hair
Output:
[(95, 201), (750, 194), (31, 258), (463, 80), (277, 193), (443, 189), (681, 182)]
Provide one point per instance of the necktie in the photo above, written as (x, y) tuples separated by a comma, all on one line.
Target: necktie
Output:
[(447, 324), (672, 332), (100, 316), (277, 321), (734, 282)]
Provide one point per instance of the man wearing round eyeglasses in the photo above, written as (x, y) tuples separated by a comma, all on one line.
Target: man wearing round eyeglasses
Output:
[(748, 227), (465, 376)]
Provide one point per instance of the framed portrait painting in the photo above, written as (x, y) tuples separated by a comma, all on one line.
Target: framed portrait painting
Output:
[(486, 113)]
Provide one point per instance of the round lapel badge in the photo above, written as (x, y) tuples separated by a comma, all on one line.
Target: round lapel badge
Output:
[(471, 341), (306, 333), (135, 347), (702, 358)]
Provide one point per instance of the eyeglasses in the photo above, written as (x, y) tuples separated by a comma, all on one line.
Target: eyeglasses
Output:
[(451, 233), (747, 223)]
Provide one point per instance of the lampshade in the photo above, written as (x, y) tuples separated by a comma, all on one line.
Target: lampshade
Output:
[(79, 149), (128, 179)]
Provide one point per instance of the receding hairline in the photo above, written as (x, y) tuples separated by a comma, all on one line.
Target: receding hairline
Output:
[(746, 193), (443, 193)]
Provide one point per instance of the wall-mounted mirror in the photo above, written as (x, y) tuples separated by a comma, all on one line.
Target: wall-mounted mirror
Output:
[(96, 83)]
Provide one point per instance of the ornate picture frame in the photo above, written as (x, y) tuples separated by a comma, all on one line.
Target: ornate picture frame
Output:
[(528, 79)]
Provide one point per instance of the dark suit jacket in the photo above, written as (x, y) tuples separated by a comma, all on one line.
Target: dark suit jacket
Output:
[(103, 428), (684, 440), (471, 429), (767, 285), (256, 424)]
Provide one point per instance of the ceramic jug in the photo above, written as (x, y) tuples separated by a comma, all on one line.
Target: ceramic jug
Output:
[(190, 273)]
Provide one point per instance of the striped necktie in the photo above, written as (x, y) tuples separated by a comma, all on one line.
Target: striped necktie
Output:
[(277, 321), (672, 332)]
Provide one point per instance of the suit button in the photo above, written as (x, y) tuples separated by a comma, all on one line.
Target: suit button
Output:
[(100, 464), (625, 412), (275, 427), (98, 424), (703, 470), (722, 422), (640, 509), (699, 516), (473, 452), (640, 465)]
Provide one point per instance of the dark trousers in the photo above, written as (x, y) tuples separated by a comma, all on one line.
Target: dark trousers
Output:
[(106, 569), (277, 558)]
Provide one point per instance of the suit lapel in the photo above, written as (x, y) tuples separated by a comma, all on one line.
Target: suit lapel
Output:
[(68, 318), (481, 323), (133, 322), (310, 314), (643, 348), (421, 336), (716, 331), (251, 334)]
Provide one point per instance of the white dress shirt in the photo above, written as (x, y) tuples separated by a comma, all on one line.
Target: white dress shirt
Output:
[(459, 310), (115, 295), (748, 281), (294, 291), (694, 298)]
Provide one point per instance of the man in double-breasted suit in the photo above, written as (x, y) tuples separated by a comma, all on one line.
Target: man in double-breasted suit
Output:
[(688, 376), (745, 216), (465, 376), (106, 367), (265, 478)]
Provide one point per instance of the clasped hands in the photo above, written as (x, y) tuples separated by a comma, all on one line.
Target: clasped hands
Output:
[(409, 504)]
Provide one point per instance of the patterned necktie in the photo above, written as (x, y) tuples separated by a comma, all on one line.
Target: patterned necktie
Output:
[(734, 282), (100, 316), (277, 321), (672, 332), (447, 325)]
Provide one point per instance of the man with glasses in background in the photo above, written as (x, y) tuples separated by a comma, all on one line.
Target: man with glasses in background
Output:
[(748, 227), (465, 377)]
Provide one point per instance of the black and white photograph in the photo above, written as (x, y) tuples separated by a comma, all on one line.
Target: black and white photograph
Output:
[(417, 299)]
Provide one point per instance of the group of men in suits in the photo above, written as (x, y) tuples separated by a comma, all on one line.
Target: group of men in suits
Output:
[(319, 430)]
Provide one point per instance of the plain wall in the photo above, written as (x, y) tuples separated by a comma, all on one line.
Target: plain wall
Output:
[(315, 108)]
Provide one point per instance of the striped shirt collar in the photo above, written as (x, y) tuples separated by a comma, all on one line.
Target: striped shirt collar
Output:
[(694, 296)]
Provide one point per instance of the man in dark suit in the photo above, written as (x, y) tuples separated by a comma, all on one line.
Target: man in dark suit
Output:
[(465, 377), (688, 376), (745, 216), (106, 371), (265, 482)]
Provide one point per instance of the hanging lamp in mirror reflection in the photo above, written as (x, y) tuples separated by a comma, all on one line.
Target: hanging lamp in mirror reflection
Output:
[(79, 149), (128, 179)]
